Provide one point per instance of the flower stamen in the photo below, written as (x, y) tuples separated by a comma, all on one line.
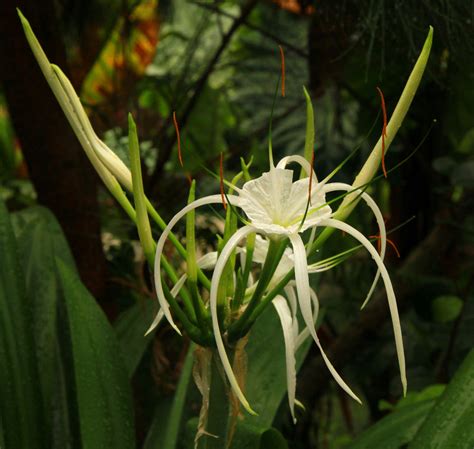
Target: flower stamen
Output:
[(282, 57), (390, 242), (176, 127)]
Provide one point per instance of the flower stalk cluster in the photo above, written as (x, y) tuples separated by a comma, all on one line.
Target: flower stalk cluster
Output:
[(273, 225)]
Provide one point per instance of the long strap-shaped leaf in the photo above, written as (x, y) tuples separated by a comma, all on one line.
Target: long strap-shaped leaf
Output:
[(102, 388), (450, 425), (20, 401)]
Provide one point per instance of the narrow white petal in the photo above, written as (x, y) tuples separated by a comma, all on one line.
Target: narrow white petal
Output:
[(206, 261), (305, 332), (286, 320), (338, 186), (291, 296), (179, 285), (212, 199), (159, 316), (216, 276), (392, 302), (304, 297)]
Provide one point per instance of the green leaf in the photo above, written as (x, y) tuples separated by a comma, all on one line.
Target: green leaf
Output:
[(248, 436), (394, 430), (450, 423), (130, 329), (20, 404), (446, 308), (40, 241), (274, 439), (103, 392)]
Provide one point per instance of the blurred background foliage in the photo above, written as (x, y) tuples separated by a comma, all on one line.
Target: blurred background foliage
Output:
[(216, 63)]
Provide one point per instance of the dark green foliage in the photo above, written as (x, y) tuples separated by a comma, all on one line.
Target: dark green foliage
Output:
[(65, 382)]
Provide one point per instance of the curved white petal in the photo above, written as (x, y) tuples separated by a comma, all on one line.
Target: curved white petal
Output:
[(159, 316), (208, 261), (212, 199), (305, 332), (205, 262), (291, 296), (337, 186), (392, 303), (299, 160), (286, 320), (216, 276), (304, 297)]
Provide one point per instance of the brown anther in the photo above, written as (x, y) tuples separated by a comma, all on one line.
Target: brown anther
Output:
[(282, 57), (176, 127), (390, 242)]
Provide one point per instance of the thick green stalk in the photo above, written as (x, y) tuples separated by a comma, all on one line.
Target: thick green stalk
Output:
[(373, 161), (192, 267), (143, 224), (309, 137), (274, 255), (193, 331), (218, 414)]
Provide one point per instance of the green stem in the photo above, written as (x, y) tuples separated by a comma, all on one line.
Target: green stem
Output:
[(274, 254), (218, 415), (193, 331)]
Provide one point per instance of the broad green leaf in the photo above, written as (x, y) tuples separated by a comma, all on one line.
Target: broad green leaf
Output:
[(248, 436), (20, 404), (450, 425), (40, 241), (274, 439), (102, 388), (395, 430)]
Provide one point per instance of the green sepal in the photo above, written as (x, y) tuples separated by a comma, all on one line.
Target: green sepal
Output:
[(143, 223), (309, 137)]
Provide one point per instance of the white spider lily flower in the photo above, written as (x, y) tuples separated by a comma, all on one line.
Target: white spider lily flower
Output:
[(277, 207), (277, 204)]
